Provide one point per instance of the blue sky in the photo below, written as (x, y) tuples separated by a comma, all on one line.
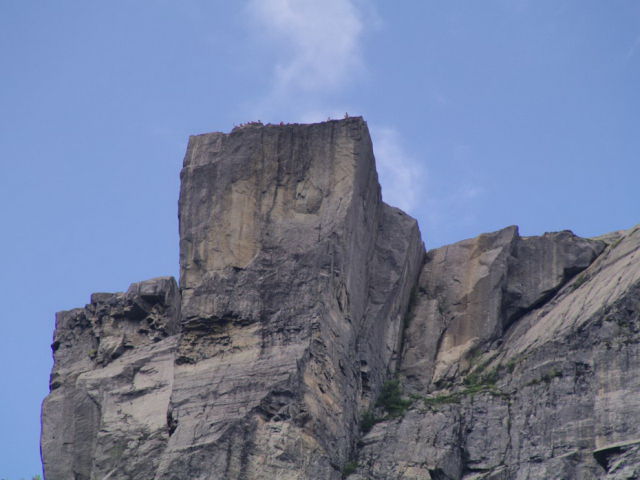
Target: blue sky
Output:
[(483, 114)]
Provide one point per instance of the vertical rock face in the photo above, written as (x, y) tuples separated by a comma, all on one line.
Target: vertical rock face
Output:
[(302, 295), (295, 278), (287, 254), (551, 393)]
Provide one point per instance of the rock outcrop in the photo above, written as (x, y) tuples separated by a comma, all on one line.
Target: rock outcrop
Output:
[(551, 394), (106, 415), (295, 279), (303, 296)]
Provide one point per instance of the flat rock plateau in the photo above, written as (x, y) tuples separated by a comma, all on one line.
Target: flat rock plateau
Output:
[(312, 336)]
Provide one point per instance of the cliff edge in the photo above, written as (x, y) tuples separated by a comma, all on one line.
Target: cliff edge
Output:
[(311, 336)]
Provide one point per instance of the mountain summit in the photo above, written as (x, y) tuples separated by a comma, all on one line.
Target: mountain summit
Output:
[(311, 336)]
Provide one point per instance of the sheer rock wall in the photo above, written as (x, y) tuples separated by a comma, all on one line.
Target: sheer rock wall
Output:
[(295, 279), (302, 293)]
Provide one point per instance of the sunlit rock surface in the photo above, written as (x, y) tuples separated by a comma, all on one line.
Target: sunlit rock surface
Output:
[(552, 394), (302, 296)]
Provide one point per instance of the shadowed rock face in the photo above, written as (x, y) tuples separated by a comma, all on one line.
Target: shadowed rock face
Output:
[(301, 292)]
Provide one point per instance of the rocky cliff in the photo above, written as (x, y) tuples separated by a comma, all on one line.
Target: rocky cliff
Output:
[(313, 337)]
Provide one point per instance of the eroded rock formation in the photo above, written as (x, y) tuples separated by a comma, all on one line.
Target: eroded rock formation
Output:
[(551, 395), (302, 293)]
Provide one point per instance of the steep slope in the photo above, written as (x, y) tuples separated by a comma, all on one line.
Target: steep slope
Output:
[(295, 278), (306, 306), (553, 395)]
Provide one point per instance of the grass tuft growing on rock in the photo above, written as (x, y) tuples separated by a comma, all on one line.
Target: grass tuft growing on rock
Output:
[(582, 278), (478, 381)]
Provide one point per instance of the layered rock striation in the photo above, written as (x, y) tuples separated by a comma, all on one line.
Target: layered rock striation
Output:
[(295, 279), (547, 392), (303, 296)]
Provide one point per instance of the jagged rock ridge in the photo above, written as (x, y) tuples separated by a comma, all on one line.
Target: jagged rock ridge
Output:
[(301, 293)]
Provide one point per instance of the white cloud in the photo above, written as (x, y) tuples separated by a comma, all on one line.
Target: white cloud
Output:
[(317, 46), (320, 41), (402, 177)]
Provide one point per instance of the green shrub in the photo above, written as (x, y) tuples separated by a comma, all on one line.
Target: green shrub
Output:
[(554, 373), (349, 468), (391, 399), (478, 381), (579, 281), (367, 421), (546, 378), (478, 378), (511, 365), (441, 399)]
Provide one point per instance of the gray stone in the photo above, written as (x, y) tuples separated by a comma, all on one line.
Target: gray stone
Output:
[(287, 256), (113, 361), (554, 396), (302, 293), (295, 280), (471, 292)]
